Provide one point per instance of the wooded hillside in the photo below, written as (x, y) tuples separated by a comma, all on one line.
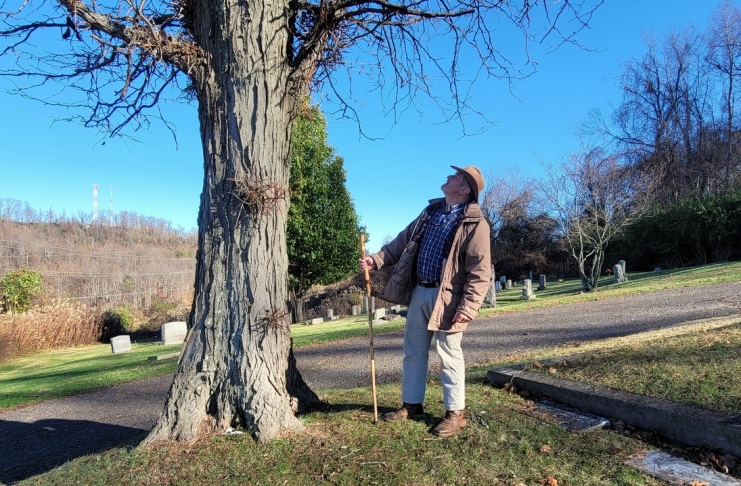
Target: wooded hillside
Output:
[(132, 260)]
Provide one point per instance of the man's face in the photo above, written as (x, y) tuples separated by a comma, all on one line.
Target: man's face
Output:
[(455, 184)]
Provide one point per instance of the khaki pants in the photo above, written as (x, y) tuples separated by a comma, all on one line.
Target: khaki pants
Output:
[(417, 340)]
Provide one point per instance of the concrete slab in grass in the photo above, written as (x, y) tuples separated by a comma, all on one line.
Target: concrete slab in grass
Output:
[(680, 422), (678, 471), (162, 357), (570, 419)]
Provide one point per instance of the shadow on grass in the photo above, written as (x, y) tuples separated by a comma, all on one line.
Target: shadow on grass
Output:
[(29, 449)]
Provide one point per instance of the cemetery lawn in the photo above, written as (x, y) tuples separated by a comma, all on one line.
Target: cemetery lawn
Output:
[(509, 445), (25, 380), (701, 367), (569, 291), (344, 328)]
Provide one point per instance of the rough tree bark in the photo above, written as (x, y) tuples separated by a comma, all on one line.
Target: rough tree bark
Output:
[(237, 368)]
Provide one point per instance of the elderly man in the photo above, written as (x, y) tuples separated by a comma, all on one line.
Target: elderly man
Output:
[(443, 269)]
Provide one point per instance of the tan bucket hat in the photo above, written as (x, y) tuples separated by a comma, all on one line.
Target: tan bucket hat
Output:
[(474, 177)]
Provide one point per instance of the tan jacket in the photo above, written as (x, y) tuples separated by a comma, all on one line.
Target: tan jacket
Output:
[(466, 271)]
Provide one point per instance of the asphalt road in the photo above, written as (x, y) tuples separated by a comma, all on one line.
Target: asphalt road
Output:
[(38, 438)]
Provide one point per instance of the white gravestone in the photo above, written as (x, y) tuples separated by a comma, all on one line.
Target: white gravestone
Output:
[(173, 332), (527, 290), (120, 344), (619, 275)]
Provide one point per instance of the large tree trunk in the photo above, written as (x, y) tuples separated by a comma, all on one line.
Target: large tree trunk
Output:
[(237, 368)]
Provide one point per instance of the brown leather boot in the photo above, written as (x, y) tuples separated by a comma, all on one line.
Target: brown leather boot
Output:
[(407, 410), (453, 422)]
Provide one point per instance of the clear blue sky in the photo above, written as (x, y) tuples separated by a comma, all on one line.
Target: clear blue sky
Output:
[(53, 165)]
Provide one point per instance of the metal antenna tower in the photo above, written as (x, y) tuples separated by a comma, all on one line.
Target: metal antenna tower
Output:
[(95, 202)]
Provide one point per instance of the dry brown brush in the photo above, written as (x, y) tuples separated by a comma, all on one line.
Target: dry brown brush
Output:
[(58, 324)]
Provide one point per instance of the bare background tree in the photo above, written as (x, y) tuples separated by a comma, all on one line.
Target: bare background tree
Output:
[(523, 237), (724, 57), (593, 198), (678, 118), (247, 65)]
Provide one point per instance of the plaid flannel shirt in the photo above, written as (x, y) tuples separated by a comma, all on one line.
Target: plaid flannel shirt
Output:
[(436, 239)]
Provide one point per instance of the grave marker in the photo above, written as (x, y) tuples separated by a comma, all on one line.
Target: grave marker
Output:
[(173, 332), (121, 344)]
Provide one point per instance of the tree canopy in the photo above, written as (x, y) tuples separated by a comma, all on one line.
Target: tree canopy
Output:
[(323, 234)]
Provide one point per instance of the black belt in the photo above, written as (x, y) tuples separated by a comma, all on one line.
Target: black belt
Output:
[(428, 285)]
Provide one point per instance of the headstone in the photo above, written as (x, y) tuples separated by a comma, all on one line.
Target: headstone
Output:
[(356, 310), (490, 299), (497, 286), (541, 282), (330, 315), (531, 275), (173, 332), (657, 270), (379, 313), (527, 290), (503, 280), (365, 305), (622, 264), (391, 317), (121, 344), (508, 285), (316, 320), (619, 275)]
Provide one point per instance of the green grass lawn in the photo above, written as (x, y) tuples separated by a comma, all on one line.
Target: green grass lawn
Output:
[(30, 379), (344, 328), (701, 367)]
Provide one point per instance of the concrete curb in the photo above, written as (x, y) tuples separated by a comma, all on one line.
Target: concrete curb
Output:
[(683, 423)]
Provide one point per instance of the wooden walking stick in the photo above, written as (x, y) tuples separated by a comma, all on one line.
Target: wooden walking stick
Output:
[(370, 332)]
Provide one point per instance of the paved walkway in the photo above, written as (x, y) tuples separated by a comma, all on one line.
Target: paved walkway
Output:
[(38, 438)]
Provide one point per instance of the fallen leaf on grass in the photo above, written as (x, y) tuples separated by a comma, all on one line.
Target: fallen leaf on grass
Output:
[(510, 387), (551, 370), (699, 483), (549, 481), (537, 364), (545, 448)]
